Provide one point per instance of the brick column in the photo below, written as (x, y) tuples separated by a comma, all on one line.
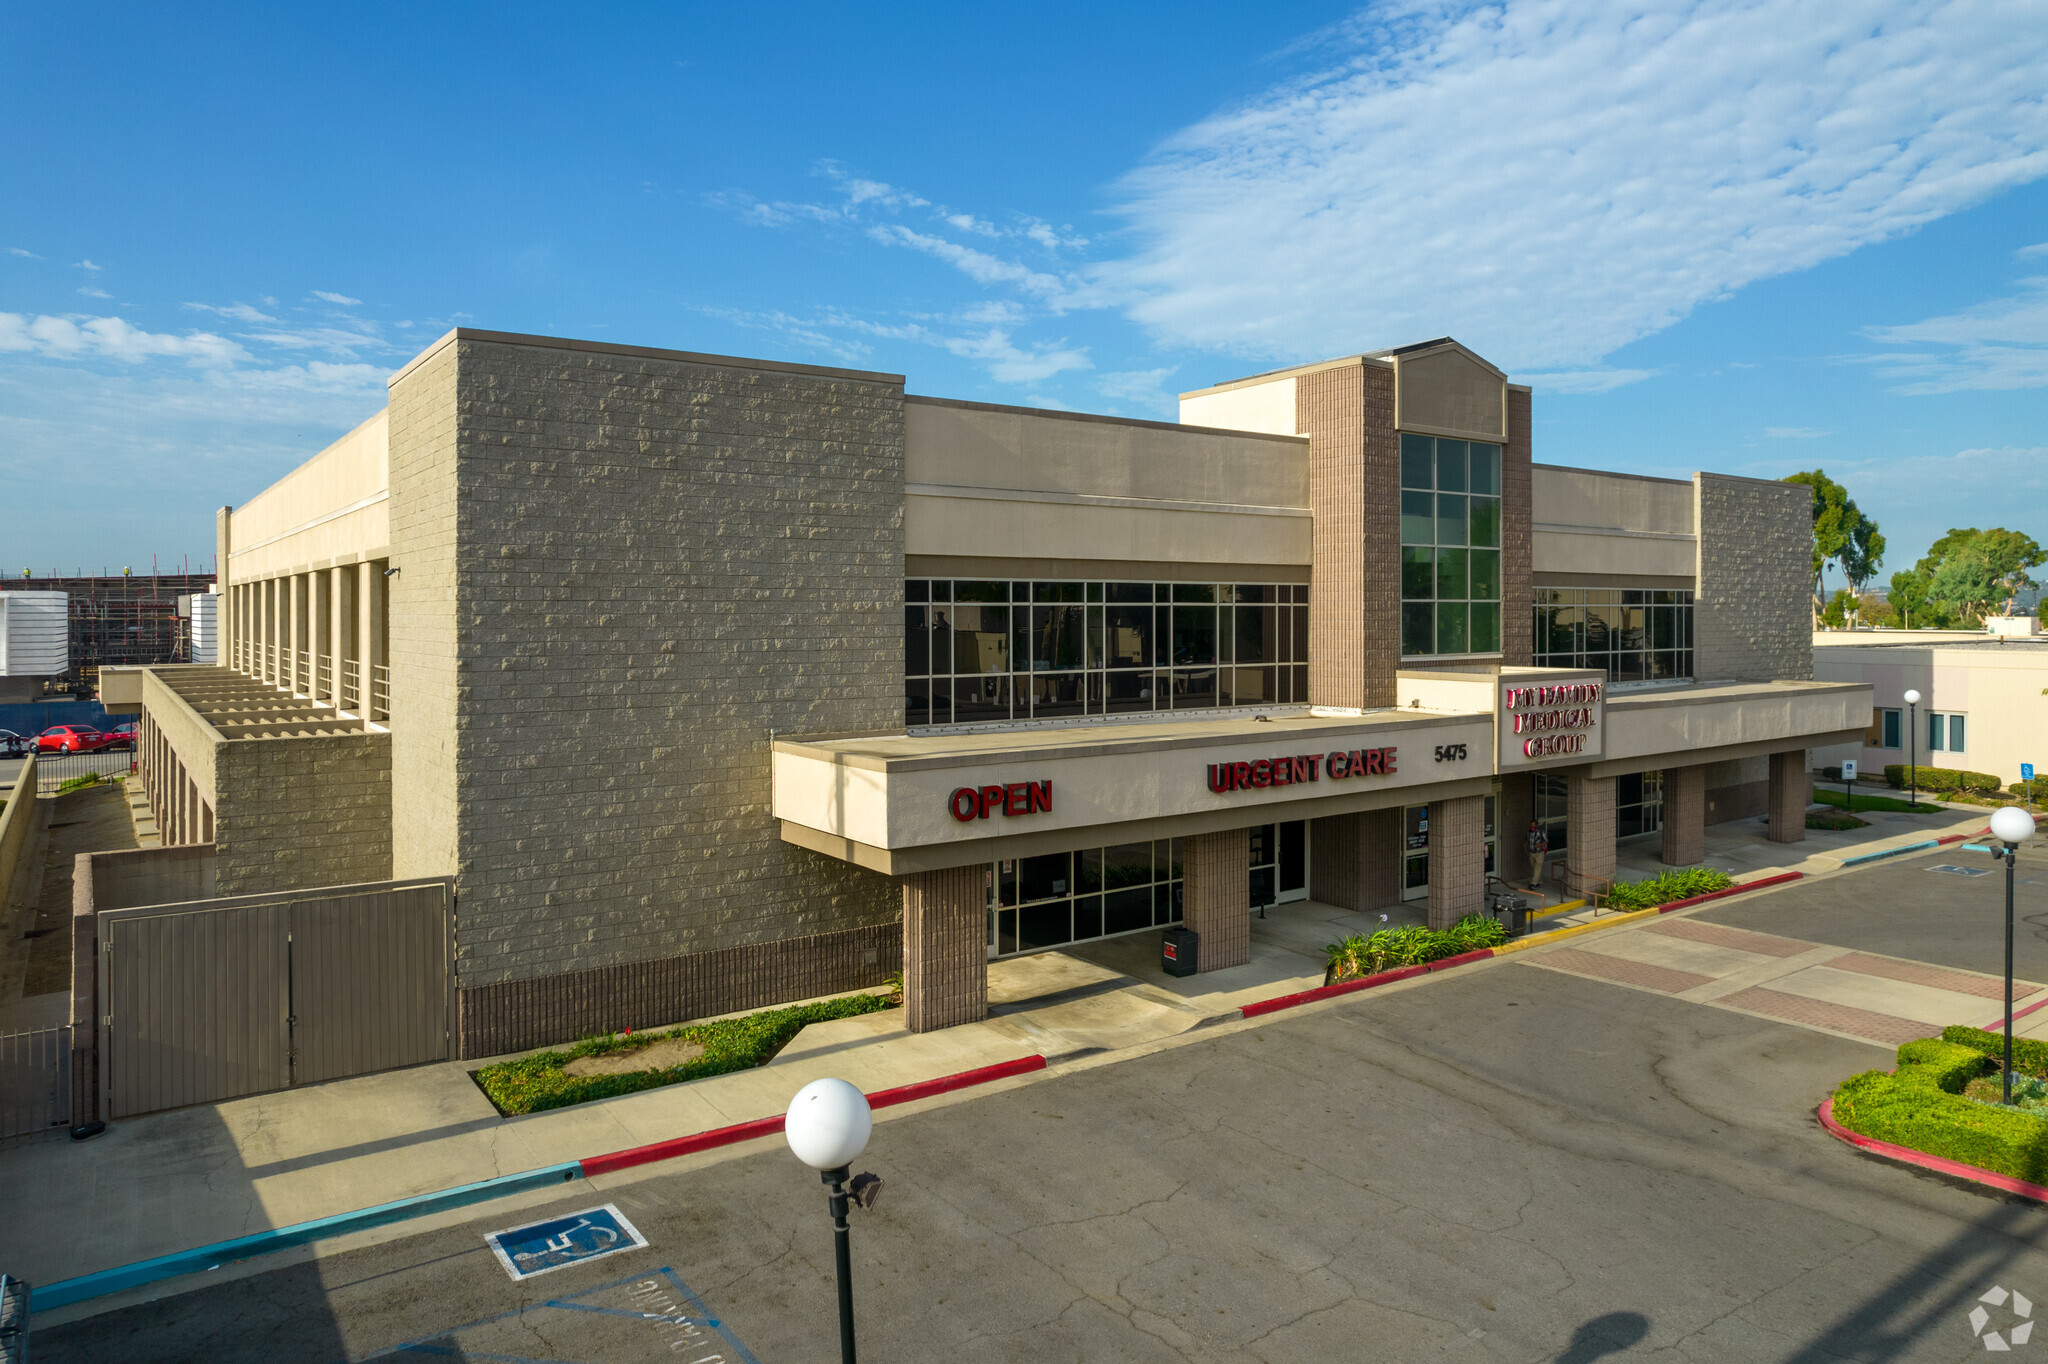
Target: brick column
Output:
[(1457, 859), (1685, 816), (1589, 830), (1511, 827), (1216, 896), (1789, 797), (945, 947), (1357, 860)]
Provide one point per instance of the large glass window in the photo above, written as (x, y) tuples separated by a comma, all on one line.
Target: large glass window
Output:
[(988, 652), (1058, 898), (1635, 634), (1450, 546)]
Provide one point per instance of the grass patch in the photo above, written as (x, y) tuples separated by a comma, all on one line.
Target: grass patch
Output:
[(534, 1083), (1831, 819), (1840, 802), (1392, 948), (1665, 887), (1943, 1101), (70, 784)]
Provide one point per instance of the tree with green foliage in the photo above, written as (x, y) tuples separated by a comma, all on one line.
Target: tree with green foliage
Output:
[(1842, 535), (1908, 597), (1975, 569), (1841, 607)]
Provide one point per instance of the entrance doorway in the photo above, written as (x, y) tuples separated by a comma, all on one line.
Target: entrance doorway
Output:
[(1279, 862), (1415, 846)]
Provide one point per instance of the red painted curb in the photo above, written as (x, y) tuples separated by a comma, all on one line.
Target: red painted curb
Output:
[(766, 1127), (1908, 1156), (1348, 987), (1780, 879), (1958, 838)]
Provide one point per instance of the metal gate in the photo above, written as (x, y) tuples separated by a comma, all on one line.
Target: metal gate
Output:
[(220, 998), (35, 1081)]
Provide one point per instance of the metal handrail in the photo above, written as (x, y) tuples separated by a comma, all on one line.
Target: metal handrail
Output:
[(380, 691), (323, 677), (351, 691)]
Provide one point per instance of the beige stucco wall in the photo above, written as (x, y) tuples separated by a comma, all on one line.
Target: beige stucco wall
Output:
[(1267, 406), (1998, 687), (333, 509), (1593, 527), (1664, 729), (190, 737), (1008, 482)]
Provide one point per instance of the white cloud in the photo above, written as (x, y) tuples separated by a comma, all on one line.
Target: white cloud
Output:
[(967, 222), (239, 312), (2025, 252), (985, 334), (1794, 433), (111, 338), (22, 251), (1598, 380), (979, 266), (86, 265), (91, 292), (1134, 385), (2001, 344), (1550, 180), (1915, 498), (340, 300)]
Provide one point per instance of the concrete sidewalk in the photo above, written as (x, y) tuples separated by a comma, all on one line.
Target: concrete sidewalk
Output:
[(170, 1181)]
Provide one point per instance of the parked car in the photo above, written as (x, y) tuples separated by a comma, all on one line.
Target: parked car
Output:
[(14, 745), (72, 739), (123, 735)]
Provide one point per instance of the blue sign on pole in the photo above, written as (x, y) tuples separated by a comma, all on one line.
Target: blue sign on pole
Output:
[(543, 1247), (2026, 771)]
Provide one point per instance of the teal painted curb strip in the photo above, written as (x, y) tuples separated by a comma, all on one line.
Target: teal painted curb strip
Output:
[(67, 1291), (1891, 852)]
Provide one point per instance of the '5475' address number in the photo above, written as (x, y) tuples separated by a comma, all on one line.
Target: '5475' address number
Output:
[(1450, 753)]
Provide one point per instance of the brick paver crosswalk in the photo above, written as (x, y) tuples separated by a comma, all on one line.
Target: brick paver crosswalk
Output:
[(1920, 973), (1740, 939), (1622, 971), (1819, 1013)]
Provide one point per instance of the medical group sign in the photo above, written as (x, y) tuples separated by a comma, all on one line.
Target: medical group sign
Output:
[(1541, 722)]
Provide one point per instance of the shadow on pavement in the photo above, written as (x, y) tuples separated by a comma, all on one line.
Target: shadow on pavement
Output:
[(282, 1315), (1605, 1335)]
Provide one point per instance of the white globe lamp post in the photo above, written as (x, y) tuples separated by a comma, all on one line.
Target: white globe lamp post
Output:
[(1912, 747), (827, 1126), (2011, 826)]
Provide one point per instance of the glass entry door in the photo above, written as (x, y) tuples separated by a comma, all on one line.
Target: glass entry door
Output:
[(1415, 852), (1279, 863)]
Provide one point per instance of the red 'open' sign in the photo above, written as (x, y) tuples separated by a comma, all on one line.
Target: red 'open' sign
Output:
[(1014, 798)]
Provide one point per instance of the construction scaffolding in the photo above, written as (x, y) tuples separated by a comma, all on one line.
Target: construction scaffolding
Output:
[(120, 620)]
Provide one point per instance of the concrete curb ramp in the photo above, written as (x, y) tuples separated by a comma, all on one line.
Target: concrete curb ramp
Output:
[(69, 1291)]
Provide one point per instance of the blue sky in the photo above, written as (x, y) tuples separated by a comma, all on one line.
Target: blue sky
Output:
[(1709, 237)]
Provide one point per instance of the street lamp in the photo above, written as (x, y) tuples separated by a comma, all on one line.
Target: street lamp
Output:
[(827, 1126), (1913, 747), (2011, 826)]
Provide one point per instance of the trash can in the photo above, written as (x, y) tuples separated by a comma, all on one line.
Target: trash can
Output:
[(1180, 951)]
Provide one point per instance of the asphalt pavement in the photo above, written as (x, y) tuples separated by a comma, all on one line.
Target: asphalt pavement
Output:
[(1505, 1163)]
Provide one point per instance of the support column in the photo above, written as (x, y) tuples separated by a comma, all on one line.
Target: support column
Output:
[(1216, 896), (341, 592), (319, 625), (1457, 859), (1511, 827), (1789, 797), (370, 605), (1685, 816), (1357, 862), (301, 636), (1589, 831), (272, 600), (945, 947)]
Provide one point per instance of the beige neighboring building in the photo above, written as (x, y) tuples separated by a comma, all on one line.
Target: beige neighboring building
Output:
[(716, 682), (1983, 697)]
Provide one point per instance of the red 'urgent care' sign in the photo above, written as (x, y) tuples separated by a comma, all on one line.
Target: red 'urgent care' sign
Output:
[(1291, 771), (1015, 798)]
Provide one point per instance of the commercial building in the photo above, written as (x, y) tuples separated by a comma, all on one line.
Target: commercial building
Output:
[(714, 682), (1983, 696)]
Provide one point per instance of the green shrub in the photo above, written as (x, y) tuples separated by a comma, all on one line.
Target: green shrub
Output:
[(2029, 1057), (1938, 779), (1921, 1107), (2035, 790), (70, 784), (1392, 948), (533, 1083), (1665, 887)]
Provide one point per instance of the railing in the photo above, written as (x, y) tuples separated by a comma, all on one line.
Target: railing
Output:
[(269, 661), (35, 1081), (302, 674), (380, 691), (351, 689), (323, 677), (54, 769)]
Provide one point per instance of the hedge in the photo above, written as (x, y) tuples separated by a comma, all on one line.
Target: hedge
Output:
[(1939, 779), (1920, 1106), (1662, 889), (1391, 948), (2029, 1057), (2035, 790), (533, 1083)]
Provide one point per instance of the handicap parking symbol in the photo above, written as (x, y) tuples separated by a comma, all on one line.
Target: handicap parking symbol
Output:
[(543, 1247)]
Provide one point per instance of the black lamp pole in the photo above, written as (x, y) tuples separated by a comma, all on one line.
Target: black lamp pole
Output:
[(842, 1246)]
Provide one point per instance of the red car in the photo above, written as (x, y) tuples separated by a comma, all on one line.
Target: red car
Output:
[(73, 739)]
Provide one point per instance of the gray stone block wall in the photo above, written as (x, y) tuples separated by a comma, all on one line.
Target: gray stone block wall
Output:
[(298, 813), (635, 569), (1752, 621)]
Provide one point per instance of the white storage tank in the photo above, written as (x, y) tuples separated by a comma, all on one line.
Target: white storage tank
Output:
[(206, 627), (35, 634)]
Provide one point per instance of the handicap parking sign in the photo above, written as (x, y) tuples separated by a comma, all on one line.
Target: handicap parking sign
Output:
[(543, 1247), (2026, 771)]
